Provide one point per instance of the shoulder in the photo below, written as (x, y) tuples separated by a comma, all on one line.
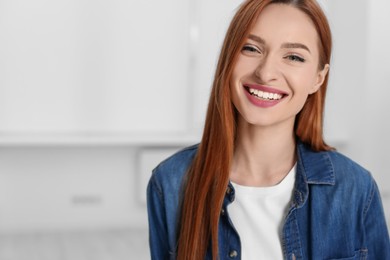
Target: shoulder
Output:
[(170, 172), (176, 163), (354, 181), (336, 169), (344, 195), (346, 169), (337, 179)]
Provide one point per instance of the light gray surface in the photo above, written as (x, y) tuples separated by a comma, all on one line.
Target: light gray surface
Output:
[(87, 245)]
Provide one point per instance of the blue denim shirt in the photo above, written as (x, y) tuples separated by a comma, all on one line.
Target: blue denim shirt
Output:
[(336, 210)]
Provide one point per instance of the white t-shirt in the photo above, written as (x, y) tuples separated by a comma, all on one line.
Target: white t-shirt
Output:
[(258, 213)]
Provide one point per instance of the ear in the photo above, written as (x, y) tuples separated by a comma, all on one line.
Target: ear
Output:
[(320, 79)]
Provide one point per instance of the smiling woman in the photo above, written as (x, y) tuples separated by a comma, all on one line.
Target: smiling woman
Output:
[(263, 184), (280, 56)]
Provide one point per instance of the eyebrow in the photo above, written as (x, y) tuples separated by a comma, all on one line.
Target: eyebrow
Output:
[(294, 45), (256, 38), (287, 45)]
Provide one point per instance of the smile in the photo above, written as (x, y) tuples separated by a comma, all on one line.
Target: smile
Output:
[(263, 96)]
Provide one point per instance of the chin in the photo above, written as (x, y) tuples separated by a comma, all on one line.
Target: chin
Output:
[(261, 122)]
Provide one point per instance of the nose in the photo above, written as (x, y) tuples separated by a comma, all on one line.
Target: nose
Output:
[(267, 70)]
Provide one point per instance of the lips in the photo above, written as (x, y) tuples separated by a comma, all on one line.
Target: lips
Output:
[(263, 96)]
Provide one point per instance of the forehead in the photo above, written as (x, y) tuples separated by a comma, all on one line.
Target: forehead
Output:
[(279, 23)]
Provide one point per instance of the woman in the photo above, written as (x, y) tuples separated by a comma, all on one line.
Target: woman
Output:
[(263, 184)]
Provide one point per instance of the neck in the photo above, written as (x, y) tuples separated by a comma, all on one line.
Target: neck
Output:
[(263, 156)]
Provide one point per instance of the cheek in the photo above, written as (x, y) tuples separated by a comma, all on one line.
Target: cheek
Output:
[(244, 67), (242, 71), (303, 81)]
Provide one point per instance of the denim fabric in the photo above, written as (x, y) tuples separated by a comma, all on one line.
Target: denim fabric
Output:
[(336, 210)]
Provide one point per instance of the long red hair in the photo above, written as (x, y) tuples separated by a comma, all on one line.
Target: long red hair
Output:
[(208, 177)]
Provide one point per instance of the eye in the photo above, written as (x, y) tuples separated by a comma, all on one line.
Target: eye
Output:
[(294, 57), (250, 49)]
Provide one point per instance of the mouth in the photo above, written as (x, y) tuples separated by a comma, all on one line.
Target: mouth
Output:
[(264, 93)]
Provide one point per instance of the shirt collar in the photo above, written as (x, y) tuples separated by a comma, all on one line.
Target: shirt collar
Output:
[(316, 167)]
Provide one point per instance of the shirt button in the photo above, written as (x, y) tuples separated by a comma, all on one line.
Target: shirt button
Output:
[(222, 212), (233, 254)]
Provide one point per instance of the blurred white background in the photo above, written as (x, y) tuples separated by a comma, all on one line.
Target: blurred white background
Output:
[(93, 94)]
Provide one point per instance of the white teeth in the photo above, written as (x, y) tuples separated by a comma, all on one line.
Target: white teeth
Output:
[(265, 95)]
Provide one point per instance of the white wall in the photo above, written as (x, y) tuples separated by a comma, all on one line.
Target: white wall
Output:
[(109, 70), (375, 122), (101, 66)]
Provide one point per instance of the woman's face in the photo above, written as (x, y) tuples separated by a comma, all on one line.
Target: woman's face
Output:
[(278, 67)]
